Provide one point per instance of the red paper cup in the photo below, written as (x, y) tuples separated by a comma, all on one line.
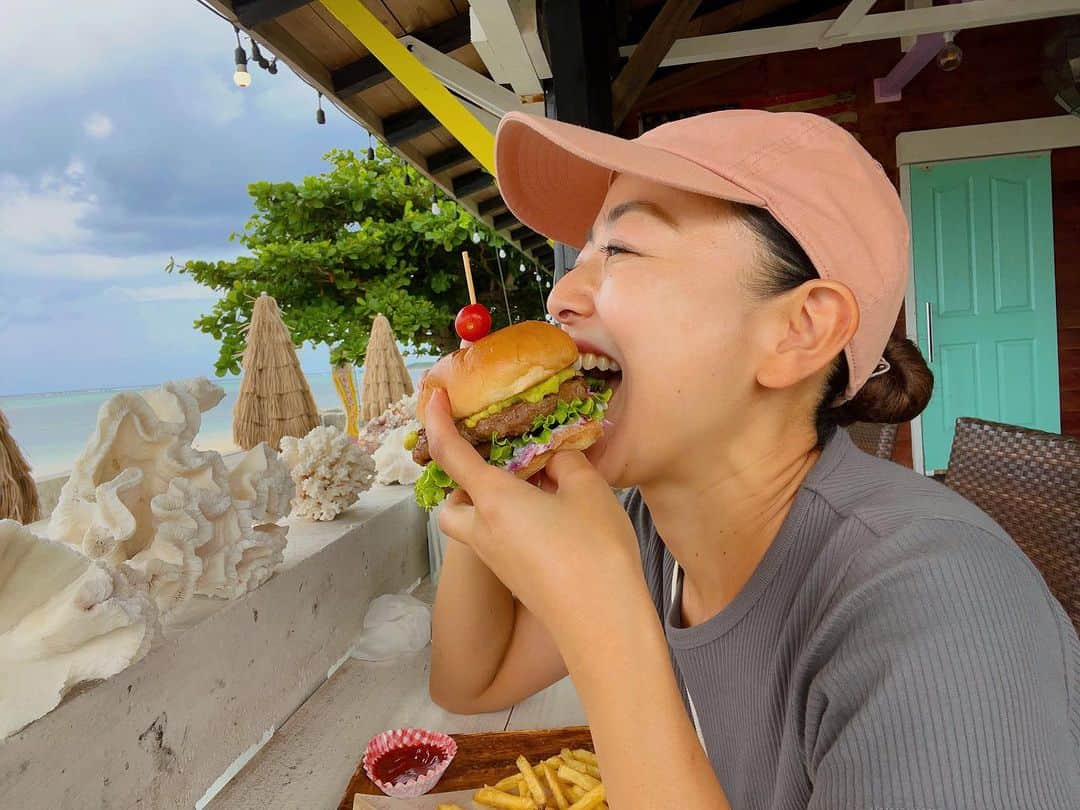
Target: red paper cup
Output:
[(399, 739)]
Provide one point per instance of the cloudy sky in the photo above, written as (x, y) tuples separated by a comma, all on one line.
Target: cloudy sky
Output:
[(123, 142)]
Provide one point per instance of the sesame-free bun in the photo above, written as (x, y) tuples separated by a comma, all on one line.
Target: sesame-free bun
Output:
[(497, 367)]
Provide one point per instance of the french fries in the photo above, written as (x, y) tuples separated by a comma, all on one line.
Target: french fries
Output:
[(504, 801), (568, 781), (555, 788), (582, 780), (590, 800), (530, 781)]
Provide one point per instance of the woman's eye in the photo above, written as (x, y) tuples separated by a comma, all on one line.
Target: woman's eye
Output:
[(612, 249)]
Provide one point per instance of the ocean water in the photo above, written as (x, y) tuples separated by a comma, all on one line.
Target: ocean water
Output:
[(52, 429)]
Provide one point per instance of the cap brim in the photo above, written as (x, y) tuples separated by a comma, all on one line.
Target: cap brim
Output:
[(554, 176)]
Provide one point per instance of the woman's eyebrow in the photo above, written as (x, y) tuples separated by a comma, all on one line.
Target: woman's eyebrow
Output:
[(641, 206)]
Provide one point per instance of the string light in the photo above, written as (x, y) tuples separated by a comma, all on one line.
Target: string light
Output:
[(370, 148), (320, 115), (435, 203), (950, 56), (257, 57), (272, 69), (502, 283), (476, 237), (241, 77), (522, 268)]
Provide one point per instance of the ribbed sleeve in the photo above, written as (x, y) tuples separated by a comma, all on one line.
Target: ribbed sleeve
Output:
[(893, 650), (940, 681)]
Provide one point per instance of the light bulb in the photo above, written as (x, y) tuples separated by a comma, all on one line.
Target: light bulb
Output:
[(272, 70), (241, 78), (476, 237), (522, 268), (950, 56), (502, 253), (435, 207)]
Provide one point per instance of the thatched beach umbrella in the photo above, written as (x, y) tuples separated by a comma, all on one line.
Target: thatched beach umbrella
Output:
[(275, 399), (386, 379), (18, 494)]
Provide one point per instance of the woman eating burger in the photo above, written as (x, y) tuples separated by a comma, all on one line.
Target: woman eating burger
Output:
[(768, 618)]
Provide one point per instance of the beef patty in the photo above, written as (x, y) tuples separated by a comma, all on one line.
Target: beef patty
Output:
[(511, 421)]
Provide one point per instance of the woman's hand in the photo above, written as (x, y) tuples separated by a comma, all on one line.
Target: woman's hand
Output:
[(566, 549)]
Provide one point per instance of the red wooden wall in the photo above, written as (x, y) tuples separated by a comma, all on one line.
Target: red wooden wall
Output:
[(999, 80)]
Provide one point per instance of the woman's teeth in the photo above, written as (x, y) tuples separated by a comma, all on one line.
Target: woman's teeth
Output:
[(588, 361)]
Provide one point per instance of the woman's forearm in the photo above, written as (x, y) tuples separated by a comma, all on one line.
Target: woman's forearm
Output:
[(471, 627), (647, 745)]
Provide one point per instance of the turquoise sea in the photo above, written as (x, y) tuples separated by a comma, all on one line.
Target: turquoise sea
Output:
[(52, 429)]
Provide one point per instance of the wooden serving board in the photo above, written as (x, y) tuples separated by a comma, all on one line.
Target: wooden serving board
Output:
[(482, 758)]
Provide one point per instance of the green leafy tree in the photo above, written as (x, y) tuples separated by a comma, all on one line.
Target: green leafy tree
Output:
[(357, 240)]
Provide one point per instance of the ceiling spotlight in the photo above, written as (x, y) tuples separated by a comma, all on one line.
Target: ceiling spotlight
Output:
[(950, 56), (320, 115), (241, 77)]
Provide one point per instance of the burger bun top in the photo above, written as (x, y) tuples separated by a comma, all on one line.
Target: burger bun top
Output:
[(497, 367)]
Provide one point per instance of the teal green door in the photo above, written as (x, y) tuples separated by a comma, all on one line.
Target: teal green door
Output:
[(982, 243)]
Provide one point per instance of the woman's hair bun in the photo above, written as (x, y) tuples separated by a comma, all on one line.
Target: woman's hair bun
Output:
[(898, 395)]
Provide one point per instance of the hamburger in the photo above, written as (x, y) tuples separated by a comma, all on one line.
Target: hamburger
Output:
[(518, 396)]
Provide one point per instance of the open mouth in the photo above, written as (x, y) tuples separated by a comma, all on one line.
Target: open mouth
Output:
[(605, 370)]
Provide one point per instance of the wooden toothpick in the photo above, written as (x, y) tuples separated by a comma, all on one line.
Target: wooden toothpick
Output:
[(468, 276)]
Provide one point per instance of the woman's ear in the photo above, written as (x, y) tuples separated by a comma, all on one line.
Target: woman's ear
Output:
[(816, 322)]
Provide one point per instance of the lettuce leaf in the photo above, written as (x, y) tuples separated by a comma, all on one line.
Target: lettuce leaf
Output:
[(565, 413), (431, 486)]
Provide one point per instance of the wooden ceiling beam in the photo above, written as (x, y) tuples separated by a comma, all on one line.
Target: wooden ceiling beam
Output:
[(472, 182), (520, 233), (491, 206), (448, 159), (256, 12), (503, 221), (637, 72), (534, 241), (405, 126), (368, 72)]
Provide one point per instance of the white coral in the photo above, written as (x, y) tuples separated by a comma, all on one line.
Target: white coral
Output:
[(64, 619), (393, 463), (140, 493), (374, 432), (329, 470)]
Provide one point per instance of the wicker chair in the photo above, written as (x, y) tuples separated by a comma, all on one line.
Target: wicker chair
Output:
[(874, 438), (1029, 482)]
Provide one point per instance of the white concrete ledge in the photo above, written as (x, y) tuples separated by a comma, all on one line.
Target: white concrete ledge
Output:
[(160, 733)]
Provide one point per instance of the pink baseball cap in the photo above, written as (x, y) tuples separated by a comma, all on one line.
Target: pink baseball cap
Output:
[(809, 173)]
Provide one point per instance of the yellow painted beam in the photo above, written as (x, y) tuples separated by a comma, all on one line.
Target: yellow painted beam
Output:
[(418, 80)]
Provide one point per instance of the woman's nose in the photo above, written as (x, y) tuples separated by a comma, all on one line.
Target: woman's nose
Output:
[(571, 298)]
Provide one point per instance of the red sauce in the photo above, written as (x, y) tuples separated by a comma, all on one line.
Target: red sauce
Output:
[(402, 764)]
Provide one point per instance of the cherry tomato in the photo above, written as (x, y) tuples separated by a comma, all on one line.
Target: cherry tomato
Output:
[(473, 322)]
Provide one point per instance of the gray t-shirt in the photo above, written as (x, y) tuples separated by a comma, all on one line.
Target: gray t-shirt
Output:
[(893, 649)]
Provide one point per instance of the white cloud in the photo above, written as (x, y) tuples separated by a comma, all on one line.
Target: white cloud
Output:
[(46, 218), (81, 42), (98, 125), (186, 291)]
